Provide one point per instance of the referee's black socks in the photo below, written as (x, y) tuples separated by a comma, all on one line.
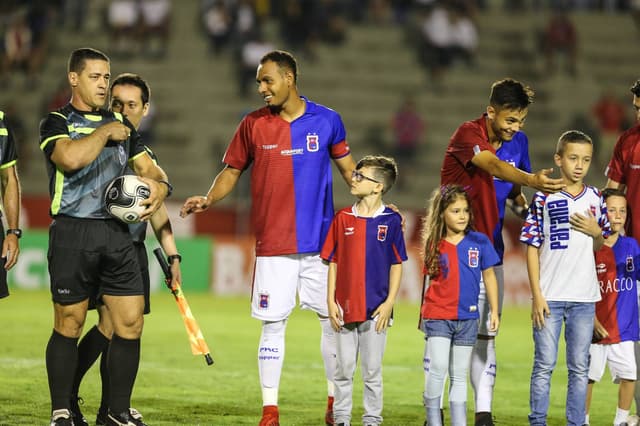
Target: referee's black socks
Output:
[(124, 357), (89, 349), (61, 358)]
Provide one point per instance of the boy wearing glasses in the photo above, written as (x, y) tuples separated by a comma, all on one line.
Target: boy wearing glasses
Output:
[(365, 250)]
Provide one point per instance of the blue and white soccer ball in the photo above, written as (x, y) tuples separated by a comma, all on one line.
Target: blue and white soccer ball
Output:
[(122, 198)]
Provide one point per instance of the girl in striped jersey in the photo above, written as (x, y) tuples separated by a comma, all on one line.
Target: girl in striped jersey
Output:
[(455, 258)]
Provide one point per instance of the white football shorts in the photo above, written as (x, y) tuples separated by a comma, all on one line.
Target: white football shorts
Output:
[(483, 303), (277, 280), (620, 358)]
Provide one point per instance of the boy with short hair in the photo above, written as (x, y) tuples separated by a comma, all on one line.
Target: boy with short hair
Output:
[(562, 230), (616, 324), (365, 250)]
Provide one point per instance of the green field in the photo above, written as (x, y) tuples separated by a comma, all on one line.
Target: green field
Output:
[(177, 388)]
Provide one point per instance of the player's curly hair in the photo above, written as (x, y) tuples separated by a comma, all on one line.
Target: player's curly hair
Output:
[(434, 228)]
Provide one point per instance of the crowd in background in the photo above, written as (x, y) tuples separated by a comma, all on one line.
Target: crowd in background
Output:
[(443, 33)]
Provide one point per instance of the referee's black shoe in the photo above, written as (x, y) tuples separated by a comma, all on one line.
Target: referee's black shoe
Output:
[(76, 414), (124, 419)]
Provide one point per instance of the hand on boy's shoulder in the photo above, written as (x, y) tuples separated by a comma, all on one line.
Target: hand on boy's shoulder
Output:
[(397, 210)]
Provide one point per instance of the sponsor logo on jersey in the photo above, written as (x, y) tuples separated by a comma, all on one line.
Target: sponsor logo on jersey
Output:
[(473, 308), (629, 264), (601, 268), (312, 142), (382, 232), (473, 257), (593, 210), (558, 211), (618, 285), (349, 230), (263, 301), (272, 146), (291, 152), (634, 166)]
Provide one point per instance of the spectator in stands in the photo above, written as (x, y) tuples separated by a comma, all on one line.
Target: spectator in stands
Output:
[(217, 22), (448, 33), (123, 17), (297, 25), (434, 49), (250, 54), (408, 131), (155, 25), (17, 43), (464, 34), (331, 22), (610, 114), (560, 37)]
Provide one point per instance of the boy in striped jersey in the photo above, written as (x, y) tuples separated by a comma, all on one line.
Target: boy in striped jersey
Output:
[(616, 324)]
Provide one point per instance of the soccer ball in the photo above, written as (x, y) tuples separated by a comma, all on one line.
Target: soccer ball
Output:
[(122, 198)]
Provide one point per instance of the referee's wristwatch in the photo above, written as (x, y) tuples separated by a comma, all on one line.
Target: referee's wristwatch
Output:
[(17, 232), (173, 257)]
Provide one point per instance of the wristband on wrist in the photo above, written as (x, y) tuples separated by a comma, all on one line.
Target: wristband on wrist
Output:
[(173, 257), (169, 187)]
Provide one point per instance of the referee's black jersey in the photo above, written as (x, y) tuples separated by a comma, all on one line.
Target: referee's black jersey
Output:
[(80, 193), (8, 152)]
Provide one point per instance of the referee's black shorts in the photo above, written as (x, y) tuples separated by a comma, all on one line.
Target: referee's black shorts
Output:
[(143, 260), (91, 257), (4, 288)]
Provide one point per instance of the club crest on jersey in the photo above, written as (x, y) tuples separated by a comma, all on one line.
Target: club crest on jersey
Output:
[(473, 257), (382, 232), (629, 264), (313, 143), (263, 302)]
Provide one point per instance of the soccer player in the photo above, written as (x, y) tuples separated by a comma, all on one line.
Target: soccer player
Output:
[(623, 173), (562, 231), (130, 96), (365, 250), (11, 203), (90, 253), (455, 258), (616, 323), (290, 144), (488, 150)]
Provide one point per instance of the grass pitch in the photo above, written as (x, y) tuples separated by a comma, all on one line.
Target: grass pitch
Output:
[(176, 388)]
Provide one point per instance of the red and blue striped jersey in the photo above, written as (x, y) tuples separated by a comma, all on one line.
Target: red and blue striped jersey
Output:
[(453, 293), (618, 278), (363, 248), (291, 180), (468, 140)]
